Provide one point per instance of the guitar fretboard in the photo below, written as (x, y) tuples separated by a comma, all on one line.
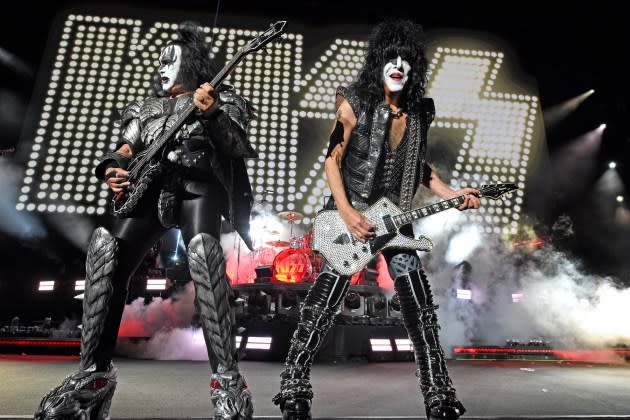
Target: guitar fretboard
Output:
[(415, 214)]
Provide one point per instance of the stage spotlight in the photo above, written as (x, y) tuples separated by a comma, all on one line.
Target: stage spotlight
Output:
[(394, 306), (517, 297), (557, 113), (46, 286), (377, 305), (620, 199), (258, 303), (612, 165), (287, 302), (353, 304), (602, 127)]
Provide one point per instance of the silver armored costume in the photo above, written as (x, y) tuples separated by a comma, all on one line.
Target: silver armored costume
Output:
[(204, 178)]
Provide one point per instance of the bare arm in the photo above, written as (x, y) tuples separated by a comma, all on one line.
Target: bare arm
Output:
[(358, 225), (439, 188)]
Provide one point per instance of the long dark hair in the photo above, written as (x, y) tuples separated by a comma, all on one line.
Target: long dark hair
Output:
[(389, 39), (196, 67)]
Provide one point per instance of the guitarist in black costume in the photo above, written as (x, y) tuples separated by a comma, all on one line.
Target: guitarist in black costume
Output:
[(377, 148), (203, 177)]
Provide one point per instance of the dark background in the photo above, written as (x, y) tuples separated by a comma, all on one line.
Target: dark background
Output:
[(566, 49)]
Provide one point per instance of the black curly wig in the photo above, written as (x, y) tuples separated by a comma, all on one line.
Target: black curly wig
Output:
[(389, 39), (196, 66)]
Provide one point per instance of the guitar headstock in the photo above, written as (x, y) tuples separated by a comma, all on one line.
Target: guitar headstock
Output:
[(495, 191), (274, 31)]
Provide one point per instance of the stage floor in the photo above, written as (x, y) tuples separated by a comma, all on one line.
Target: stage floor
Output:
[(488, 389)]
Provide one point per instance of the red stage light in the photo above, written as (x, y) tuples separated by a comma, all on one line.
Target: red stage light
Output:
[(291, 266)]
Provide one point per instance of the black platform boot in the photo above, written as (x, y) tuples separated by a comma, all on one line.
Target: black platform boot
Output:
[(420, 319), (316, 317), (229, 394), (87, 394)]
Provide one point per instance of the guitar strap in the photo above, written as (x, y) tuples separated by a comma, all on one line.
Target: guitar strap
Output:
[(417, 127), (417, 146)]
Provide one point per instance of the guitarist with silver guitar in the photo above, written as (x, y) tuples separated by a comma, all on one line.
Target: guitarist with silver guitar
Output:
[(375, 163), (179, 162)]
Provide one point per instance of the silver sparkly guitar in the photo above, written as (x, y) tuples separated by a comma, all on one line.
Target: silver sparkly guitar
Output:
[(347, 255)]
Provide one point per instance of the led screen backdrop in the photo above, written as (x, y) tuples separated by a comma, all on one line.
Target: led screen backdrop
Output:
[(488, 123)]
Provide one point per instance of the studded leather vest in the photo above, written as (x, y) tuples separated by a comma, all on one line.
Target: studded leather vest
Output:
[(366, 143)]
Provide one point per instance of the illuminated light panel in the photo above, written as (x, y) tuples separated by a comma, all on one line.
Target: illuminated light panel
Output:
[(258, 343), (464, 294), (46, 286), (517, 297), (156, 284), (79, 285), (403, 344), (381, 344)]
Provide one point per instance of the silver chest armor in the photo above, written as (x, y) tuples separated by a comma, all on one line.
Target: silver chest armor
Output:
[(159, 114)]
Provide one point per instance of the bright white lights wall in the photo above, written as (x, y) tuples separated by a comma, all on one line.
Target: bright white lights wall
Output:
[(498, 128), (103, 63)]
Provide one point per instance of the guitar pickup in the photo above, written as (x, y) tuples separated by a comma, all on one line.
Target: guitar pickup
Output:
[(389, 223)]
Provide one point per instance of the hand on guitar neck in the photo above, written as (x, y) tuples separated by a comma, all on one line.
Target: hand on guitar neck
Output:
[(204, 99), (471, 198), (117, 178)]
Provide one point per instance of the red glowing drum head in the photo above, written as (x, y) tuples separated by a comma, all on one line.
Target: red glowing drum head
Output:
[(292, 266)]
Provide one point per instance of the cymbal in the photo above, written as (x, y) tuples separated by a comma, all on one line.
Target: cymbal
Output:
[(292, 216), (277, 243)]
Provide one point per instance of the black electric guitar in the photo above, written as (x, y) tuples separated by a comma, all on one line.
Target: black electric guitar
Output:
[(347, 255), (146, 166)]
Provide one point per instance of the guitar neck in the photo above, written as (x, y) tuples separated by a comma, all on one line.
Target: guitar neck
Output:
[(415, 214)]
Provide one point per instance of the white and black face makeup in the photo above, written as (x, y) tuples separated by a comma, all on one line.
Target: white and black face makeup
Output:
[(396, 74), (170, 61)]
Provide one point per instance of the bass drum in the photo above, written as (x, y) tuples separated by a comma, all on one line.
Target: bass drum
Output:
[(292, 266)]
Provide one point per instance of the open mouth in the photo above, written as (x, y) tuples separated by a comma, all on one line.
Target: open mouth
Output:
[(164, 80), (396, 76)]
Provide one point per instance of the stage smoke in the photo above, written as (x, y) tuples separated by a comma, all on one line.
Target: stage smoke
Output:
[(560, 302), (162, 329), (75, 228), (21, 224)]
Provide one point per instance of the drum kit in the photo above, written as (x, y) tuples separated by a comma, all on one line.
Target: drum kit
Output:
[(298, 247)]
